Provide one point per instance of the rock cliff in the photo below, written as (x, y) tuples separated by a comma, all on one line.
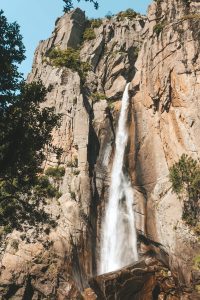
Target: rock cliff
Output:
[(165, 113), (159, 55)]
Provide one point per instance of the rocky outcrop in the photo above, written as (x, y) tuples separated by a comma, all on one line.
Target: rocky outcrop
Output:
[(147, 279), (57, 263)]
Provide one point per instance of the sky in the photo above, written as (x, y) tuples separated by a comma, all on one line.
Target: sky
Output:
[(37, 18)]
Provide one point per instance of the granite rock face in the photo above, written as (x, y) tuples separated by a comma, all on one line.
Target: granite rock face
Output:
[(165, 113), (159, 55)]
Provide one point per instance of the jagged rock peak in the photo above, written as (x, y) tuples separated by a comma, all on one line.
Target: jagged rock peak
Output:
[(69, 29), (110, 52)]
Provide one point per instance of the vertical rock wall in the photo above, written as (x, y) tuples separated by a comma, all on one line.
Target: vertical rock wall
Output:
[(163, 122), (165, 113)]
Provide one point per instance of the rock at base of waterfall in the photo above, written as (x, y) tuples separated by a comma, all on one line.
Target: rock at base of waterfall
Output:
[(146, 279)]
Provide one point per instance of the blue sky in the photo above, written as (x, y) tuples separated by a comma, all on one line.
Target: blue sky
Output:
[(37, 17)]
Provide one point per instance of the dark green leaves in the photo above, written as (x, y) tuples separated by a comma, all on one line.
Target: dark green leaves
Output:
[(69, 58), (11, 53), (69, 4), (25, 134), (185, 178)]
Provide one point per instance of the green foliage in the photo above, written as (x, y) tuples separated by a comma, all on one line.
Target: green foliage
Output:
[(44, 189), (129, 13), (55, 172), (15, 244), (96, 23), (111, 105), (25, 132), (72, 195), (158, 28), (197, 263), (185, 178), (17, 207), (69, 58), (69, 4), (136, 51), (96, 97), (89, 34), (7, 229), (11, 54)]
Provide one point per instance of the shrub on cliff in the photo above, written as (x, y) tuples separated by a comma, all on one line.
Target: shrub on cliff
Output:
[(69, 58), (129, 13), (158, 28), (96, 97), (56, 175), (89, 34), (55, 172), (185, 178), (96, 23), (44, 189)]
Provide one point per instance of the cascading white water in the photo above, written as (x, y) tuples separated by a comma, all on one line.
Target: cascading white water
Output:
[(119, 241)]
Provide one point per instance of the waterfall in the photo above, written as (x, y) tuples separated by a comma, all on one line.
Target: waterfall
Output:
[(118, 240)]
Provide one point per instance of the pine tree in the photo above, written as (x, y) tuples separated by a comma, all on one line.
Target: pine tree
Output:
[(25, 129)]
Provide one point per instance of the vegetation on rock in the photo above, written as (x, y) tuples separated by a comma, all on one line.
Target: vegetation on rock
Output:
[(95, 23), (69, 58), (197, 263), (89, 34), (129, 13), (56, 175), (55, 172), (158, 28), (72, 195), (96, 97), (44, 189), (185, 178)]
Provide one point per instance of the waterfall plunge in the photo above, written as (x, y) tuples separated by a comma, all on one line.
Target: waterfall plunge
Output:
[(119, 241)]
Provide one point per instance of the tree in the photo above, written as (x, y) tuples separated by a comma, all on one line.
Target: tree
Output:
[(25, 131), (11, 53), (185, 178), (69, 4)]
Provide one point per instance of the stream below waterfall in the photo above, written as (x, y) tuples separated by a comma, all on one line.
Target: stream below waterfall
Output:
[(118, 238)]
